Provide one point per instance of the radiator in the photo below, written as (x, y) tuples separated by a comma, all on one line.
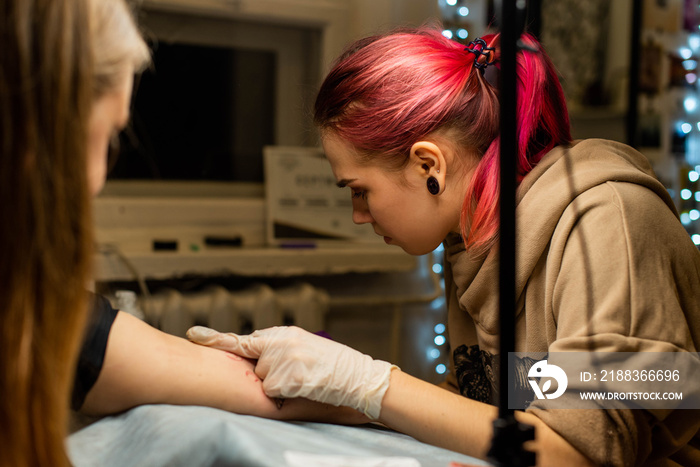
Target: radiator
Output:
[(240, 311)]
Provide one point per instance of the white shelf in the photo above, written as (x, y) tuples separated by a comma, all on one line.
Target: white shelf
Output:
[(264, 262)]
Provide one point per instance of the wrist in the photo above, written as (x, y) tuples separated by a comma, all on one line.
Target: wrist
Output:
[(377, 386), (305, 409)]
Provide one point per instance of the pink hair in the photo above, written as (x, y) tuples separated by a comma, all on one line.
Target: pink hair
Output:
[(387, 92)]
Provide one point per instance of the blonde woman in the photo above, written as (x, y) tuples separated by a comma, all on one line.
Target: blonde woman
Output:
[(66, 72)]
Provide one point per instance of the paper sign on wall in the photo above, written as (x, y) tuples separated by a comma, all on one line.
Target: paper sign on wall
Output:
[(303, 202)]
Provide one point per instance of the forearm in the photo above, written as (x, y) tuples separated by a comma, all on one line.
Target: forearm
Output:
[(143, 365), (439, 417), (146, 366)]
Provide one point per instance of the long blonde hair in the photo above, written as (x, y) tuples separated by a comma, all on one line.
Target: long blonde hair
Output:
[(52, 69)]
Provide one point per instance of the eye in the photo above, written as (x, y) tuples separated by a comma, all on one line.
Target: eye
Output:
[(357, 194)]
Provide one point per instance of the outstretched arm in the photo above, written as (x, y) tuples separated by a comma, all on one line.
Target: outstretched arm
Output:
[(442, 418), (295, 363), (146, 366)]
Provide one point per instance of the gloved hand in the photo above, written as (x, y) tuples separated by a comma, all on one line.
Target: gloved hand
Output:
[(295, 363)]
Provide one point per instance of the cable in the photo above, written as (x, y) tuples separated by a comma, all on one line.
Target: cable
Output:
[(113, 249)]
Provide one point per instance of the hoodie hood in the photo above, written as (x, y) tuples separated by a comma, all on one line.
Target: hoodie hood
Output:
[(543, 195)]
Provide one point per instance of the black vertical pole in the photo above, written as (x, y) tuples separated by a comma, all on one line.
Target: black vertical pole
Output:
[(632, 117), (509, 149), (508, 435)]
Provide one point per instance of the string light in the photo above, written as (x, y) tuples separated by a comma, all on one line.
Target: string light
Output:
[(689, 65), (455, 19), (694, 41), (434, 353), (690, 104)]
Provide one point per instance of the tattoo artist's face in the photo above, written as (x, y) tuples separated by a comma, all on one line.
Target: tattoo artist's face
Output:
[(398, 206)]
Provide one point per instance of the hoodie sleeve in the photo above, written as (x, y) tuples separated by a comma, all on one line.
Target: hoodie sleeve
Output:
[(624, 277)]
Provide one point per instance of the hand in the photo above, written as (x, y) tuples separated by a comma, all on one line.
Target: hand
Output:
[(295, 363)]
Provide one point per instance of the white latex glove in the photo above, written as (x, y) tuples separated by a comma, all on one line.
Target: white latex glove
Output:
[(295, 363)]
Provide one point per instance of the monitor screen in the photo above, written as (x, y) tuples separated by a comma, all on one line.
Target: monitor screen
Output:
[(201, 113)]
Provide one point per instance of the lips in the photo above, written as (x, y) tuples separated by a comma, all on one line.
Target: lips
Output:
[(386, 239)]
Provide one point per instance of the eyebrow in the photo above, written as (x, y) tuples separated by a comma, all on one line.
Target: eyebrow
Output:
[(344, 182)]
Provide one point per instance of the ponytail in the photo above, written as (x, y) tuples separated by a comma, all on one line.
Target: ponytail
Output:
[(543, 123)]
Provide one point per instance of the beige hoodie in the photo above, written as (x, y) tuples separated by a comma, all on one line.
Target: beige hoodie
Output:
[(603, 264)]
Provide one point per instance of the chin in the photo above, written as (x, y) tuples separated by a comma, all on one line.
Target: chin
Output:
[(417, 251), (420, 248), (96, 179), (96, 187)]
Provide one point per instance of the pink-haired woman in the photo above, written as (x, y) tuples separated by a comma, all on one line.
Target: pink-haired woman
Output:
[(409, 122)]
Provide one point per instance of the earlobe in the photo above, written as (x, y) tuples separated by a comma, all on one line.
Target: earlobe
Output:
[(428, 163)]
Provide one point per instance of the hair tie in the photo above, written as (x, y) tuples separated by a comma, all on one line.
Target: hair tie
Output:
[(478, 47)]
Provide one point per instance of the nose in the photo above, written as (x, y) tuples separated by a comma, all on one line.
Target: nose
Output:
[(360, 212)]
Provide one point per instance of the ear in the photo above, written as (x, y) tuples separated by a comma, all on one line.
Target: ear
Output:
[(428, 160)]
